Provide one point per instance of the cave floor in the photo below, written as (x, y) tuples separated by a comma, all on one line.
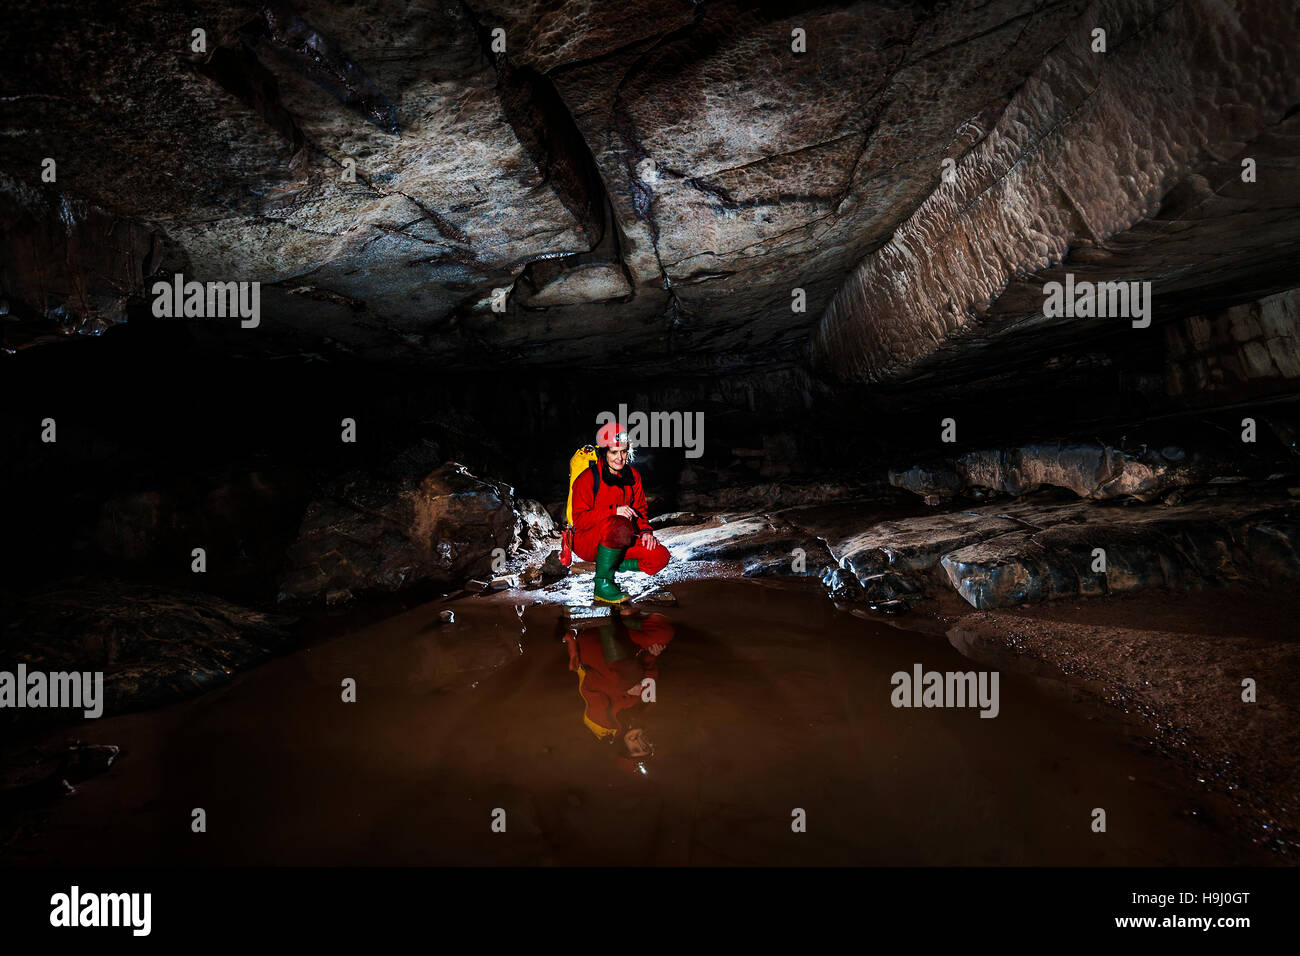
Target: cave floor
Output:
[(768, 701)]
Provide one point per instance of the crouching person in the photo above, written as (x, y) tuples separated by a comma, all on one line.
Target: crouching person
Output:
[(609, 516)]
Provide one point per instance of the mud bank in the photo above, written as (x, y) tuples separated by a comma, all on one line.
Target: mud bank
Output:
[(1171, 665)]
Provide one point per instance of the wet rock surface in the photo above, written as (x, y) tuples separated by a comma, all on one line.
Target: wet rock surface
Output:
[(762, 544), (889, 589), (1174, 547), (917, 544), (415, 521)]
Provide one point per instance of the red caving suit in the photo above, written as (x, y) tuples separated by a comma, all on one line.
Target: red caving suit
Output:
[(595, 523)]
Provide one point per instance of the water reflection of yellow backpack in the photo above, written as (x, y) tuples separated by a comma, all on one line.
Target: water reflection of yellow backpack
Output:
[(583, 458)]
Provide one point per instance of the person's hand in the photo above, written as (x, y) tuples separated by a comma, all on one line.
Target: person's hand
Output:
[(655, 649), (648, 540), (625, 512)]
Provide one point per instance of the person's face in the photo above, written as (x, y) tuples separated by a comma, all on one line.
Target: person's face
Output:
[(617, 457), (638, 744)]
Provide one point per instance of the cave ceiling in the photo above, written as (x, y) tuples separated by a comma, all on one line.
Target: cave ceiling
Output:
[(878, 190)]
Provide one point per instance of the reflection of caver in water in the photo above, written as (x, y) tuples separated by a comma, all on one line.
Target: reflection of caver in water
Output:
[(613, 661), (609, 517)]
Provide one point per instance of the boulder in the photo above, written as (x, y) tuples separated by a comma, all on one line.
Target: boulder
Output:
[(398, 527), (927, 479), (537, 527), (916, 544), (882, 588), (842, 585)]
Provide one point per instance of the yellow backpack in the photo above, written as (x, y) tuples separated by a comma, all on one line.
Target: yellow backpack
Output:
[(580, 462)]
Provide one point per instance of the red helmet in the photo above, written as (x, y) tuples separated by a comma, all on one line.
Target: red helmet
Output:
[(612, 434)]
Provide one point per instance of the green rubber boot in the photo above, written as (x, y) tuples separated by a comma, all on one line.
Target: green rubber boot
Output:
[(631, 564), (606, 590)]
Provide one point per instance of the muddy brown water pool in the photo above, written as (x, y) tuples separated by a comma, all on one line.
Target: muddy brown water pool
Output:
[(767, 702)]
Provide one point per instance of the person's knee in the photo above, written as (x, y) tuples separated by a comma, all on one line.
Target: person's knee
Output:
[(620, 533), (655, 561)]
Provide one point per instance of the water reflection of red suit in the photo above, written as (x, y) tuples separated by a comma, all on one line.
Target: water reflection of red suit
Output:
[(612, 661)]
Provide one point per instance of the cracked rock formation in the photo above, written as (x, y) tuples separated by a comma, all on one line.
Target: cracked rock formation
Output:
[(1090, 471), (669, 184), (1086, 152)]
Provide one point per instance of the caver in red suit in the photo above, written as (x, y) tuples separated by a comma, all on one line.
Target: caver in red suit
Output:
[(602, 535), (595, 523)]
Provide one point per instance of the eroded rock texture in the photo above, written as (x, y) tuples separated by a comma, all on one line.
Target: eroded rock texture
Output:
[(1103, 162), (643, 183)]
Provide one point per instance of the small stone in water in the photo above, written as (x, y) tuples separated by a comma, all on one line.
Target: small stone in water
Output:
[(662, 596)]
